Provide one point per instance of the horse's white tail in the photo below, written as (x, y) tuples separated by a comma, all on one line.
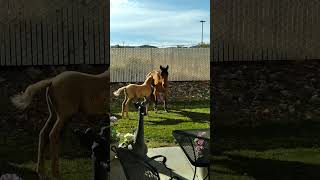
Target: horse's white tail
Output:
[(117, 92), (24, 99)]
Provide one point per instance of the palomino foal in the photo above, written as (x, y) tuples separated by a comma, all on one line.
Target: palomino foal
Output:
[(135, 91), (67, 93)]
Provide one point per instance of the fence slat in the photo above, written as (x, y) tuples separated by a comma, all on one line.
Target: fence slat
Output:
[(44, 34), (60, 38), (76, 32), (91, 40), (13, 44), (81, 40), (2, 48), (50, 43), (55, 40), (70, 36), (18, 44), (40, 44), (65, 37), (24, 42), (101, 38), (7, 45), (86, 41), (29, 43), (106, 34), (96, 38), (34, 43)]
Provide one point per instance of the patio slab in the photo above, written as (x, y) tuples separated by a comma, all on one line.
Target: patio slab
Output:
[(176, 160)]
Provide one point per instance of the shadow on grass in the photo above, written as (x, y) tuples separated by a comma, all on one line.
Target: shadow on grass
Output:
[(272, 136), (259, 168), (166, 121), (196, 116), (24, 173), (267, 138), (21, 149), (186, 104)]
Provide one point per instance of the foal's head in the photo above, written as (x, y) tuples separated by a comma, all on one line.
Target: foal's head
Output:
[(164, 71)]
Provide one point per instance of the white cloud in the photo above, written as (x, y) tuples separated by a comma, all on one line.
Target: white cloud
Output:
[(162, 25)]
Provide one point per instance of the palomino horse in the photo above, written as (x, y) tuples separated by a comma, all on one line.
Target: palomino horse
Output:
[(67, 93), (135, 91), (160, 80)]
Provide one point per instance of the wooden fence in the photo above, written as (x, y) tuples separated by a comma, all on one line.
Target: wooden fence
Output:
[(185, 64), (71, 35), (253, 30)]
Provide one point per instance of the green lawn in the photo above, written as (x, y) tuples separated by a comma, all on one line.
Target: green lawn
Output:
[(19, 156), (274, 151), (278, 151), (18, 148), (159, 126)]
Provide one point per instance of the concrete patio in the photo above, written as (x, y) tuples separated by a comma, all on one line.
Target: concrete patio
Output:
[(176, 160)]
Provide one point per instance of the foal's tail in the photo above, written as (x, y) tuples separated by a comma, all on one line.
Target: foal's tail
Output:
[(117, 92), (23, 99)]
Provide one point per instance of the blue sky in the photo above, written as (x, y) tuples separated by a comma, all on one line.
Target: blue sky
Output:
[(159, 22)]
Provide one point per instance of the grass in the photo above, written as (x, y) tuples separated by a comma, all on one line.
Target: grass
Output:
[(274, 151), (18, 148), (159, 126), (19, 155)]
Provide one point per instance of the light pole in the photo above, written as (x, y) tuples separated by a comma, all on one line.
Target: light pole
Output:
[(202, 21)]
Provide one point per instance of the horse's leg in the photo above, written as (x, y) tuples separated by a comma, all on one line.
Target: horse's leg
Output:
[(127, 107), (152, 99), (54, 144), (155, 101), (165, 103), (44, 136), (124, 105), (147, 102), (44, 142)]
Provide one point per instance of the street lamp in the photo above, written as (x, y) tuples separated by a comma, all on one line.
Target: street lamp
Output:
[(202, 21)]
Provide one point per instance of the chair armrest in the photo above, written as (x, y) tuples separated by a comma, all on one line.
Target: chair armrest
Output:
[(114, 149), (159, 156)]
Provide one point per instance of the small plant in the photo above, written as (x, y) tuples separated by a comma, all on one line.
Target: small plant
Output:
[(128, 141), (114, 135), (200, 144)]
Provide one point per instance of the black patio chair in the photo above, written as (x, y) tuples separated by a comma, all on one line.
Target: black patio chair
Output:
[(138, 167), (185, 139)]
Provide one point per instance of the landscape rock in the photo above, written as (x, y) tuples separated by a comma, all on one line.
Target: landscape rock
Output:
[(283, 106), (314, 99), (266, 111), (308, 115), (2, 79), (291, 109), (285, 93)]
